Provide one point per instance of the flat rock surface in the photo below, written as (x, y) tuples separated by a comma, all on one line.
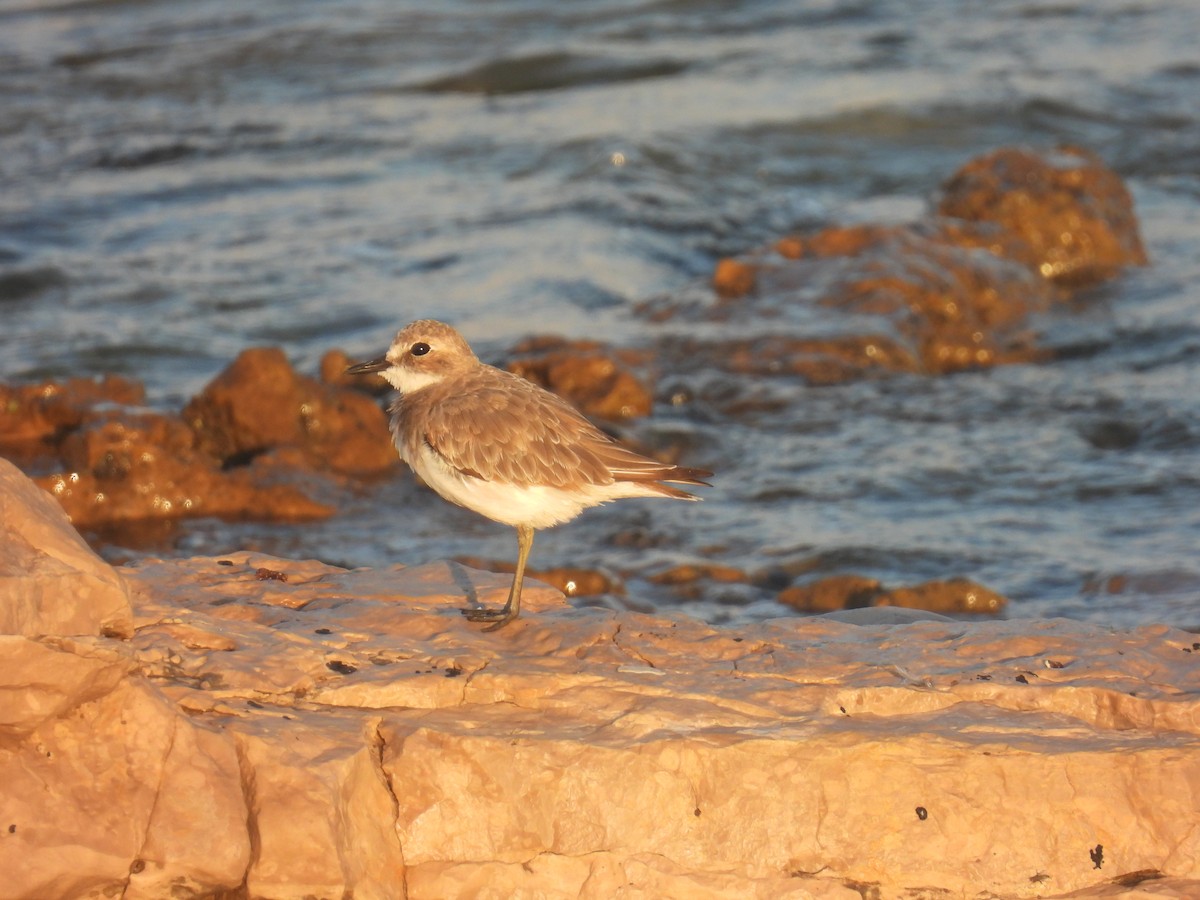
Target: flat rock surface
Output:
[(796, 758), (288, 729)]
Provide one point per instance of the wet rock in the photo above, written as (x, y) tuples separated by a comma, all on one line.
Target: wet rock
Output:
[(33, 417), (136, 466), (818, 361), (333, 368), (898, 300), (837, 241), (1072, 213), (254, 444), (1014, 230), (733, 278), (594, 380), (253, 405), (692, 581), (955, 595), (831, 593), (687, 573), (837, 592), (260, 402)]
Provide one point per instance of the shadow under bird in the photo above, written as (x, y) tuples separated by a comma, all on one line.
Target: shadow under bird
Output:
[(499, 445)]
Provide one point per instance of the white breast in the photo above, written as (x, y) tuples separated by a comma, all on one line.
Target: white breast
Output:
[(537, 506)]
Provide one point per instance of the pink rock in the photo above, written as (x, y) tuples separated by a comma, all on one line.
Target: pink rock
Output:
[(116, 792), (287, 729), (51, 582)]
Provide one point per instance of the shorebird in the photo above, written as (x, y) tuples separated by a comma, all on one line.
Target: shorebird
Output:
[(499, 445)]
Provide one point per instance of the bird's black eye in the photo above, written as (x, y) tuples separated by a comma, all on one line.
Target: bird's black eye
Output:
[(420, 348)]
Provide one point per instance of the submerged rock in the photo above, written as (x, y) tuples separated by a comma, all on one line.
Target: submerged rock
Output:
[(260, 442), (34, 417), (836, 592), (260, 402), (1013, 231), (831, 593), (1062, 213)]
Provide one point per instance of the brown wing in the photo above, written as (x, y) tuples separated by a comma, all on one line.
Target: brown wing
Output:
[(499, 426)]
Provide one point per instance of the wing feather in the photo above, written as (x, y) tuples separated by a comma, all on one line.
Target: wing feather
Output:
[(502, 427)]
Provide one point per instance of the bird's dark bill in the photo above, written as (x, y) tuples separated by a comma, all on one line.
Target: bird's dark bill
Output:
[(366, 368)]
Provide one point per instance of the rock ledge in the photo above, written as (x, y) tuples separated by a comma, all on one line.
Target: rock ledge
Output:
[(287, 729)]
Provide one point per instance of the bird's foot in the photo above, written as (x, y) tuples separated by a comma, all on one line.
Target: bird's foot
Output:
[(497, 617)]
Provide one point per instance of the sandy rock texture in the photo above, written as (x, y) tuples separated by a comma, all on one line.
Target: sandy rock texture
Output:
[(50, 580), (287, 729)]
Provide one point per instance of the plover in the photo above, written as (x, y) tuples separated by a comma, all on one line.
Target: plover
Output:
[(499, 445)]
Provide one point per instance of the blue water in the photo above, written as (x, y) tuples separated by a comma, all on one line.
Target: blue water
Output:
[(180, 181)]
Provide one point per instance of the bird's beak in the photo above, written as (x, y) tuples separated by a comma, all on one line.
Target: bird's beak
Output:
[(366, 368)]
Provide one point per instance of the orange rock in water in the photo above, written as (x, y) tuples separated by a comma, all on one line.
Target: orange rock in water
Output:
[(733, 278), (34, 416), (687, 573), (831, 593), (790, 247), (955, 595), (122, 466), (253, 405), (848, 240), (1072, 214), (260, 402)]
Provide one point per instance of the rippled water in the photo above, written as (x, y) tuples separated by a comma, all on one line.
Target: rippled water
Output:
[(179, 181)]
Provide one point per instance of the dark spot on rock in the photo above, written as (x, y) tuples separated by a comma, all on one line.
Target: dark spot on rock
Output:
[(1054, 664), (1097, 855), (12, 829), (322, 631), (340, 667), (1022, 679), (138, 865), (265, 574), (983, 677), (843, 709), (922, 813), (224, 562), (696, 812), (254, 704), (453, 672)]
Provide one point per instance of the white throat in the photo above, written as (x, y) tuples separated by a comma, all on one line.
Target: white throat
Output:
[(406, 381)]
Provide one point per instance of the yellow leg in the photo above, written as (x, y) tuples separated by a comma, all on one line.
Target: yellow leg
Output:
[(501, 617)]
